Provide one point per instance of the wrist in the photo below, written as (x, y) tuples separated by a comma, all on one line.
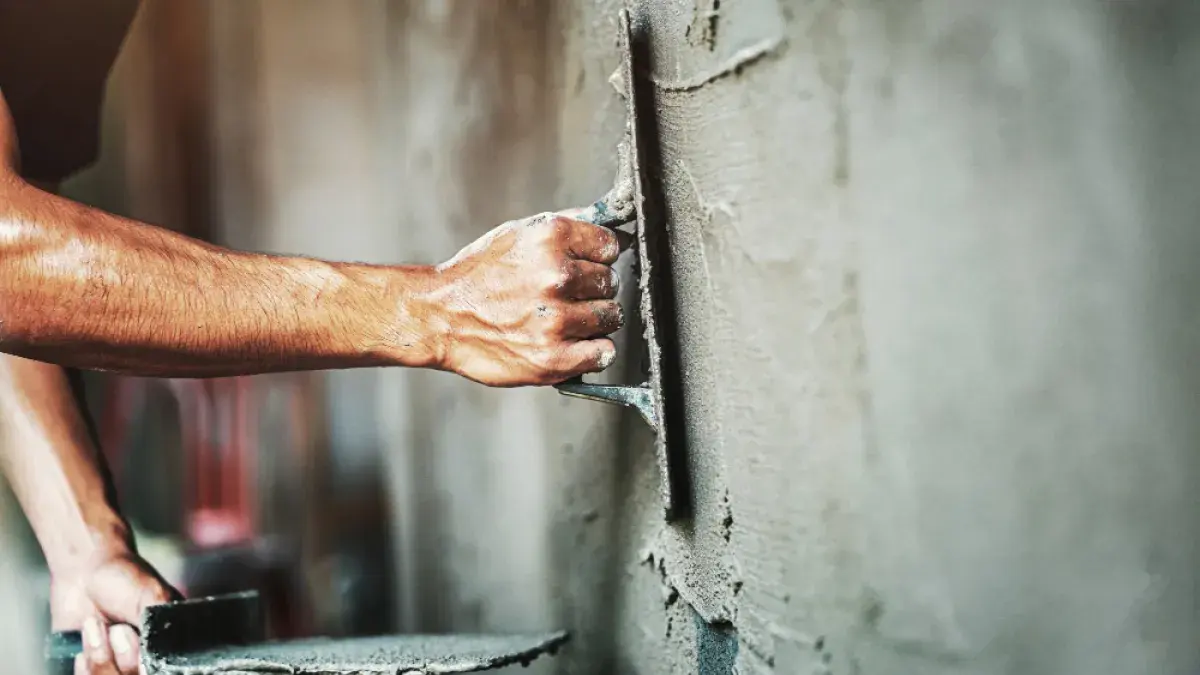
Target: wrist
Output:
[(103, 537), (402, 324)]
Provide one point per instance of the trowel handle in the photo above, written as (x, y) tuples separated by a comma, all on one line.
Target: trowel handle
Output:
[(600, 213), (60, 651), (637, 397)]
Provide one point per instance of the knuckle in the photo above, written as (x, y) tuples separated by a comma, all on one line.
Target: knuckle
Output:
[(610, 245), (546, 359), (543, 227), (552, 330), (156, 595), (565, 275), (557, 226), (556, 277)]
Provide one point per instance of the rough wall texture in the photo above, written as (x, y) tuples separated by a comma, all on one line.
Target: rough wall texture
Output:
[(933, 264), (933, 296), (935, 274)]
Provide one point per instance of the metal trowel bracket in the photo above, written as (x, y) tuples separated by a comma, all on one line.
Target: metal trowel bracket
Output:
[(638, 398)]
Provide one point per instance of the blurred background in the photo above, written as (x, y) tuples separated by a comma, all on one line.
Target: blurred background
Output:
[(935, 275)]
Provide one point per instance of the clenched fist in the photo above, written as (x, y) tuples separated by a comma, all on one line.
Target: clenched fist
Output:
[(531, 302)]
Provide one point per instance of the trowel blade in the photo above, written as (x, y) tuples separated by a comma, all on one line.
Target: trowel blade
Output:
[(625, 201), (647, 261), (225, 634)]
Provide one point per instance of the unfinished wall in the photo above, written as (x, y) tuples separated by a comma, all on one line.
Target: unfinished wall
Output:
[(934, 265), (935, 269), (935, 273)]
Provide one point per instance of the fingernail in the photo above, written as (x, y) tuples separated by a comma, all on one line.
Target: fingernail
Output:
[(91, 633), (607, 358), (616, 280), (120, 641)]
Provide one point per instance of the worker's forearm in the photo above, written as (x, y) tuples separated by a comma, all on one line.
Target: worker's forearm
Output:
[(84, 288), (55, 471)]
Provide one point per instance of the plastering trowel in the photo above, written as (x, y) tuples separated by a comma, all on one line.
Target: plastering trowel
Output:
[(625, 203), (224, 635)]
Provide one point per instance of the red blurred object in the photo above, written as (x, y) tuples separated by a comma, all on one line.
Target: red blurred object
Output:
[(218, 426), (219, 455)]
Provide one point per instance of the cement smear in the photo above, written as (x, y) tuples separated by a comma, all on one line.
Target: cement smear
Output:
[(394, 655)]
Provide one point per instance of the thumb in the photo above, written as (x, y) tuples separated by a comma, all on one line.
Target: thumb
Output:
[(124, 591)]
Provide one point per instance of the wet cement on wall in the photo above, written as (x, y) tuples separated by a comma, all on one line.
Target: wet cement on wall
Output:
[(933, 264)]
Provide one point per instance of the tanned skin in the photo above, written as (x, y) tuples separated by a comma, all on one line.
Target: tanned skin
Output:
[(527, 304), (530, 303), (99, 584)]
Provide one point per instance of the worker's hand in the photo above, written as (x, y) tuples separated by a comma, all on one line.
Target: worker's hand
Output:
[(531, 302), (104, 601)]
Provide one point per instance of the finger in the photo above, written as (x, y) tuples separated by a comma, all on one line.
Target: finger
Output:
[(155, 592), (587, 280), (593, 318), (586, 356), (591, 242), (96, 648), (124, 642), (111, 588), (84, 666)]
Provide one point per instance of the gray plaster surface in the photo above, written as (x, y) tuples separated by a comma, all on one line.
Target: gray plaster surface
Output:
[(393, 655), (935, 276)]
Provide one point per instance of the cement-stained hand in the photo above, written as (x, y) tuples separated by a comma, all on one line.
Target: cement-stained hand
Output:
[(531, 302)]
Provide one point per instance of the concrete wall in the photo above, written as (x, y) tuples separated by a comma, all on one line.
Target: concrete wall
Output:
[(935, 268), (935, 265)]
